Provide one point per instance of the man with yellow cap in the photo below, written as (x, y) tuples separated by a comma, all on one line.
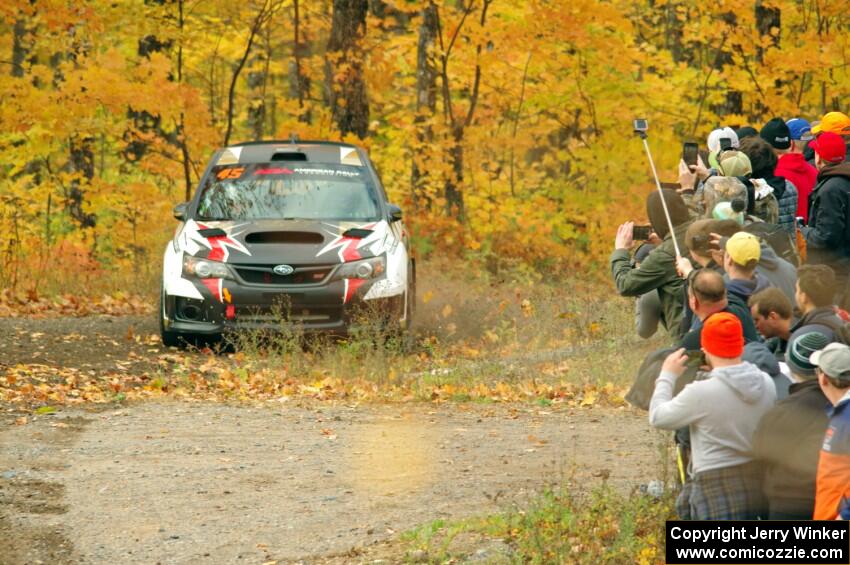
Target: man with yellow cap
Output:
[(837, 123)]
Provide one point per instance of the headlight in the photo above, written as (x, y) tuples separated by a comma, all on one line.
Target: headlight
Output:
[(364, 269), (205, 269)]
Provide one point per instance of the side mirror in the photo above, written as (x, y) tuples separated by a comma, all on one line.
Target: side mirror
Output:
[(180, 211), (395, 213)]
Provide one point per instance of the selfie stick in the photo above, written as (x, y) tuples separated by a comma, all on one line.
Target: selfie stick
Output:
[(642, 134)]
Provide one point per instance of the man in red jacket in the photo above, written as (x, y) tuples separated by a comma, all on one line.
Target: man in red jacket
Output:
[(793, 166)]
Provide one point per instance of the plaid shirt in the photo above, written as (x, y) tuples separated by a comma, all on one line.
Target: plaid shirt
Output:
[(729, 493)]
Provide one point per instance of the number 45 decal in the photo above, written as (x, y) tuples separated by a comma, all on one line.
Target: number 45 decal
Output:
[(231, 173)]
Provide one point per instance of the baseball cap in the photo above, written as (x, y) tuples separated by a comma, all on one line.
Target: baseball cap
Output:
[(734, 164), (722, 335), (835, 122), (802, 350), (834, 360), (801, 130), (830, 146), (776, 133), (714, 138), (743, 247)]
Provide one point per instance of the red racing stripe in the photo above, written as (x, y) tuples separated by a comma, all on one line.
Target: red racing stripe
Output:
[(214, 286), (351, 286)]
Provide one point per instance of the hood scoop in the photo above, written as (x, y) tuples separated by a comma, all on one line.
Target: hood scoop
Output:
[(212, 232), (357, 233), (304, 237)]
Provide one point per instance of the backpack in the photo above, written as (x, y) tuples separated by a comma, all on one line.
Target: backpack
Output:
[(777, 238)]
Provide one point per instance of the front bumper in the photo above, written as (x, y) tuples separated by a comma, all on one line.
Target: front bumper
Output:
[(230, 306)]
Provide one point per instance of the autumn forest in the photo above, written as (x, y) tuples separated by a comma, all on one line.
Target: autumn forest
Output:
[(502, 128)]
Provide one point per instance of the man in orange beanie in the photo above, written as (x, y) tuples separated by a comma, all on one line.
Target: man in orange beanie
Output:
[(722, 412)]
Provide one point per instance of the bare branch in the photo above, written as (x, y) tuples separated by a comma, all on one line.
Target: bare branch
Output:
[(477, 82), (263, 16)]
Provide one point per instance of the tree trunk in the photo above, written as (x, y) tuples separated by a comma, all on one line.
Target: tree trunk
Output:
[(454, 181), (82, 162), (344, 67), (257, 106), (454, 195), (299, 83), (262, 18), (673, 31), (21, 47), (426, 99), (768, 24), (144, 123)]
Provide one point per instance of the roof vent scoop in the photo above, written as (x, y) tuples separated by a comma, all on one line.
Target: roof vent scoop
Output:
[(289, 156)]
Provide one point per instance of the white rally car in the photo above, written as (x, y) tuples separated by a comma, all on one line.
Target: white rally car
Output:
[(286, 233)]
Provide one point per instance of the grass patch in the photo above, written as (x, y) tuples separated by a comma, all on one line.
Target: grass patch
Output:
[(560, 526)]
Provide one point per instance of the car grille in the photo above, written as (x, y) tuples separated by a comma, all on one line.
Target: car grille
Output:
[(272, 314), (264, 274)]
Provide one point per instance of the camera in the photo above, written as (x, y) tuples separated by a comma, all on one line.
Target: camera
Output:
[(641, 125), (641, 233)]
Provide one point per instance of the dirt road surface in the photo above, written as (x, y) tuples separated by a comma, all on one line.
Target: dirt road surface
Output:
[(184, 482)]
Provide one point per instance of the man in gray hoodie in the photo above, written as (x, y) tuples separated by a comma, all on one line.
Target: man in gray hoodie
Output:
[(722, 413)]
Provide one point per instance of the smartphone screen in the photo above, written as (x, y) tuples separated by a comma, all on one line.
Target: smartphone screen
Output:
[(641, 125), (689, 153), (725, 143), (696, 358), (641, 233)]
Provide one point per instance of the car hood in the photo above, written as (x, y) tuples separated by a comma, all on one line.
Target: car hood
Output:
[(293, 242)]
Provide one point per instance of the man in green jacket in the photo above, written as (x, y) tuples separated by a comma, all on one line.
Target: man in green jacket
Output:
[(658, 270)]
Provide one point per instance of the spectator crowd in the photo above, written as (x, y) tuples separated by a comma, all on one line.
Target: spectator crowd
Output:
[(747, 269)]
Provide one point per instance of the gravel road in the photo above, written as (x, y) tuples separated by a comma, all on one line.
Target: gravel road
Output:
[(191, 482), (203, 483)]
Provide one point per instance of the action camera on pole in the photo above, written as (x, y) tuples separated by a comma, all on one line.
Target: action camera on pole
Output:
[(641, 125)]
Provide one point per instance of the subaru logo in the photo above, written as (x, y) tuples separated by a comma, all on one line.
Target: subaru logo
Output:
[(283, 270)]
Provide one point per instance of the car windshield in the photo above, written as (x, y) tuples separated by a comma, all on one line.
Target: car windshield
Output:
[(285, 191)]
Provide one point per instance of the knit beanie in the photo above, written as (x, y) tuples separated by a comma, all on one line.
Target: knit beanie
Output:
[(800, 349), (777, 133), (745, 132), (723, 335)]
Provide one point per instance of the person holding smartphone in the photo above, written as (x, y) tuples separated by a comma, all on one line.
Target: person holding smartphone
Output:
[(658, 270), (722, 413)]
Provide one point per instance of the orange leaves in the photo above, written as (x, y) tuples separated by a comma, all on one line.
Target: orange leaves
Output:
[(32, 305)]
